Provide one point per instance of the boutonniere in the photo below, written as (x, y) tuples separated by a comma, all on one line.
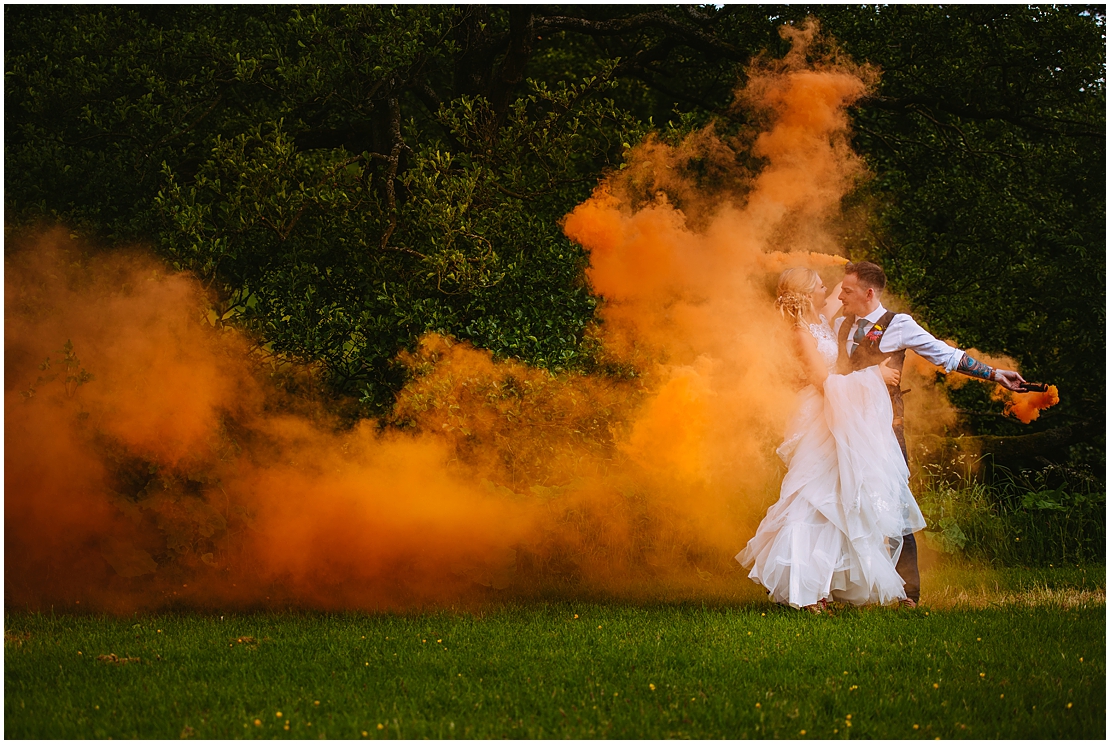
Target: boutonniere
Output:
[(875, 333)]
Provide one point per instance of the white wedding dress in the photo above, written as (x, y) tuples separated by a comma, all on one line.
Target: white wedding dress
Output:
[(836, 531)]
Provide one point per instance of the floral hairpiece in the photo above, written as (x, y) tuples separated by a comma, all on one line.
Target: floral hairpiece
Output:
[(793, 305)]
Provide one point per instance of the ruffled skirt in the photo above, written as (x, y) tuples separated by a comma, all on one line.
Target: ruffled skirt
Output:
[(836, 531)]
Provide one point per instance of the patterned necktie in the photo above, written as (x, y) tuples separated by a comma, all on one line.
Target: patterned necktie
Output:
[(857, 338)]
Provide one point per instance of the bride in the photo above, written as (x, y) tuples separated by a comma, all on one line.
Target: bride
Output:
[(836, 531)]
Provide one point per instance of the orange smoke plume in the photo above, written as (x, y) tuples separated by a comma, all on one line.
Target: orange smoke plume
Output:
[(778, 261), (1027, 407), (149, 464)]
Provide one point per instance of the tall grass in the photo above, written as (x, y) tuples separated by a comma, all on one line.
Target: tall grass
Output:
[(1055, 516)]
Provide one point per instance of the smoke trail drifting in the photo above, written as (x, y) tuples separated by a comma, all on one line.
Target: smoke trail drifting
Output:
[(178, 475)]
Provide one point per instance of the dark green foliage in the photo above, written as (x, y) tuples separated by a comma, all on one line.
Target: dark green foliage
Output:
[(1054, 517), (350, 178), (293, 159)]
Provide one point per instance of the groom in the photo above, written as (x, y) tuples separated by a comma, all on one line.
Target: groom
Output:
[(868, 333)]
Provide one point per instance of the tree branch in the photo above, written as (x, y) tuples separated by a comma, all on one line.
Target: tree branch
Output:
[(964, 111), (521, 36), (394, 161), (652, 19)]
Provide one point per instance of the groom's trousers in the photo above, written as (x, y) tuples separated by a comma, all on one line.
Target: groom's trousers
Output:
[(907, 561)]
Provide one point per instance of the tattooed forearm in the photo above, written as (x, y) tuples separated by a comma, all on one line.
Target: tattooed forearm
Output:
[(975, 368)]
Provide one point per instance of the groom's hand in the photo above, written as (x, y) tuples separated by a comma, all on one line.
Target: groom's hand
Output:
[(1009, 379)]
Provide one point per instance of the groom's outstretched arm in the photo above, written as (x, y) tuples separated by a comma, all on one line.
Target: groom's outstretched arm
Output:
[(906, 333), (974, 368)]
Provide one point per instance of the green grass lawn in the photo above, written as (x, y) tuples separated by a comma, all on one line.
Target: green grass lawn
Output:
[(1007, 668)]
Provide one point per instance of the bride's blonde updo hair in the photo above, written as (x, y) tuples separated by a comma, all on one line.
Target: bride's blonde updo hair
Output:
[(795, 287)]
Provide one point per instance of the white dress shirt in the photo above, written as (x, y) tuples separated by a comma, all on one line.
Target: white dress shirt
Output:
[(904, 333)]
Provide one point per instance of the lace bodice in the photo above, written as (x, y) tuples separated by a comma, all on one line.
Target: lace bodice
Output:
[(826, 342)]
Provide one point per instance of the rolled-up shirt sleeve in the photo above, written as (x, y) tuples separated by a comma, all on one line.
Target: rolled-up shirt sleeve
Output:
[(905, 333)]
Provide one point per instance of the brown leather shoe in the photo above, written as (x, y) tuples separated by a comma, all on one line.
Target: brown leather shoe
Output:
[(908, 603)]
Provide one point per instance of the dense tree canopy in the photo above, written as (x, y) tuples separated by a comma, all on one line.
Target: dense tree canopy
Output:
[(348, 178)]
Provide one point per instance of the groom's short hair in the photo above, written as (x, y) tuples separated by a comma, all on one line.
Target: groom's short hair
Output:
[(868, 274)]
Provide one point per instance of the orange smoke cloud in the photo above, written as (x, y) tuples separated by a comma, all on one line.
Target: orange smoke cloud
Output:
[(1027, 407), (179, 476), (777, 261), (167, 476)]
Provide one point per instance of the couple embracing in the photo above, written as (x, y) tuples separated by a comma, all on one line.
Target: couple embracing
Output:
[(842, 529)]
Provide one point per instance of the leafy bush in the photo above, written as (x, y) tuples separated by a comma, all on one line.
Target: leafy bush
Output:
[(1052, 516)]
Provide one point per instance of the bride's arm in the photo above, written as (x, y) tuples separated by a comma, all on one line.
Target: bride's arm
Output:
[(813, 365), (832, 302)]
